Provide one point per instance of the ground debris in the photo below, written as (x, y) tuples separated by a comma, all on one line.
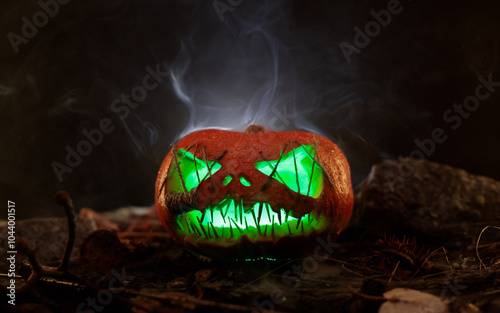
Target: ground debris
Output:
[(134, 265)]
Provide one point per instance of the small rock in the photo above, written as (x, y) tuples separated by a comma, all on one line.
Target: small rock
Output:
[(443, 203)]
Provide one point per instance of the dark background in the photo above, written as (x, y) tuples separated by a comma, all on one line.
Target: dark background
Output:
[(264, 55)]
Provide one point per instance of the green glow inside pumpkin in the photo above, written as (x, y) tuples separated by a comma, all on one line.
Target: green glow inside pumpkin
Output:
[(193, 171), (245, 182), (227, 180), (298, 170), (229, 220)]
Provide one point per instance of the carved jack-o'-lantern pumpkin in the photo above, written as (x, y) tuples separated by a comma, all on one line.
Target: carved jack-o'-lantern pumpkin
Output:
[(258, 194)]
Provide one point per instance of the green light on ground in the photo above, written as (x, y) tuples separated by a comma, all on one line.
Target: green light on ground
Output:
[(262, 258)]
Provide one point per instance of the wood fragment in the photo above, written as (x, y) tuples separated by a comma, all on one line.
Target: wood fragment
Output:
[(182, 299)]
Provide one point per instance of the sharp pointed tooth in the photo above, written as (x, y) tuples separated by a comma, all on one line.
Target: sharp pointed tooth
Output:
[(231, 229), (221, 211), (203, 229), (260, 211), (227, 207), (265, 230), (221, 207), (180, 226), (198, 229), (235, 210), (302, 228), (320, 216), (205, 232), (241, 209), (286, 216), (211, 214), (246, 224), (237, 226), (272, 227), (279, 215), (289, 230), (213, 228), (268, 207), (298, 223), (257, 224), (203, 215), (195, 228), (188, 226), (208, 231)]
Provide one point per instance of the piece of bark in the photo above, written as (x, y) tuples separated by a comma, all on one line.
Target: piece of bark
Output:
[(101, 221), (102, 250), (443, 203)]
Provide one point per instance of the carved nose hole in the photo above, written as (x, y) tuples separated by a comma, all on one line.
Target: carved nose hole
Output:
[(227, 180), (245, 182)]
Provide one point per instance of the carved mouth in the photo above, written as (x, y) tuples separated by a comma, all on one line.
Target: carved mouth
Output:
[(229, 221)]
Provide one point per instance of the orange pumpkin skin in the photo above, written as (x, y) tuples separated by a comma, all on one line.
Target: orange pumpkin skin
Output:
[(240, 152)]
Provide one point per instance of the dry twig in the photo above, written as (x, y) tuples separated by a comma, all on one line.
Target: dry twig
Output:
[(481, 263), (363, 295), (37, 270), (62, 198), (185, 300)]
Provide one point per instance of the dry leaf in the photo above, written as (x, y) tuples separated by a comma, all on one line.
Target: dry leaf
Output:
[(101, 221), (402, 300)]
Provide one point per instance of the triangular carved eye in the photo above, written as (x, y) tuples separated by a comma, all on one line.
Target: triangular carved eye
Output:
[(297, 169), (192, 170)]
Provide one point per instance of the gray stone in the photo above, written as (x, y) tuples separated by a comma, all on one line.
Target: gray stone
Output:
[(445, 204)]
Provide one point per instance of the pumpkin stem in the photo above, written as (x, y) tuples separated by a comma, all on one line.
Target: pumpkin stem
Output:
[(255, 129)]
